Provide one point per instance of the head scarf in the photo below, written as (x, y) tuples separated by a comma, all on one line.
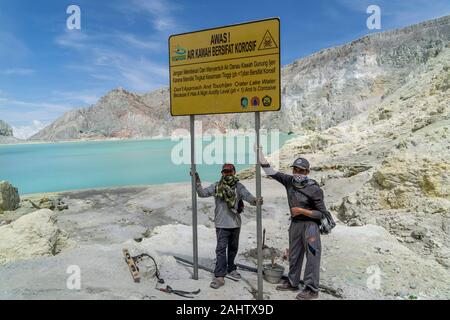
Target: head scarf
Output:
[(226, 190)]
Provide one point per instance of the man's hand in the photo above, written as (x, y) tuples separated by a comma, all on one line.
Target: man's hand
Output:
[(255, 145), (296, 211), (262, 158), (197, 177), (285, 255), (258, 200)]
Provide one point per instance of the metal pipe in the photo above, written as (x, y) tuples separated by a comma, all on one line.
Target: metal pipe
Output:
[(194, 199), (258, 210), (179, 259)]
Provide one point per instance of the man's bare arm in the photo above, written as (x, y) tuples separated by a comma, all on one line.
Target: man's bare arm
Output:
[(296, 211), (271, 172)]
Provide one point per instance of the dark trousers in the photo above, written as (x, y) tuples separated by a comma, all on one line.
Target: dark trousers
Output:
[(226, 239), (304, 240)]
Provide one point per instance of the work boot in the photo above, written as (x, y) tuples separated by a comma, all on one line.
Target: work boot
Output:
[(286, 286), (307, 294)]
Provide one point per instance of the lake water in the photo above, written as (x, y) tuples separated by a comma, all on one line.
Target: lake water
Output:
[(34, 168)]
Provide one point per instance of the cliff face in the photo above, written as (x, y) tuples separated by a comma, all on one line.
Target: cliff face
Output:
[(389, 165), (318, 91), (5, 129), (6, 134), (333, 85)]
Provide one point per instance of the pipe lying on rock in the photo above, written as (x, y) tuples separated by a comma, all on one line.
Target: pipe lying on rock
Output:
[(200, 267)]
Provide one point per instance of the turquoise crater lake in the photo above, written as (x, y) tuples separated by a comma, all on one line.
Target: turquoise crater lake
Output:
[(50, 167)]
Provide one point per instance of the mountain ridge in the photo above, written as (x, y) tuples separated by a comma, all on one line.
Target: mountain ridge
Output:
[(318, 91)]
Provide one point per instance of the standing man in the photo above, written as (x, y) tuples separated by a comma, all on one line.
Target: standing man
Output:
[(228, 194), (305, 198)]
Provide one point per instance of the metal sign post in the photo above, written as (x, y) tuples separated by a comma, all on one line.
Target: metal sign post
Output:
[(258, 210), (228, 69), (194, 199)]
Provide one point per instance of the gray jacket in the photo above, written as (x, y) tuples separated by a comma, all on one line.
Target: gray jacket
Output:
[(223, 216)]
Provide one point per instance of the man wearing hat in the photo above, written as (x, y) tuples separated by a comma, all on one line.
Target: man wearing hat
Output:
[(228, 194), (305, 198)]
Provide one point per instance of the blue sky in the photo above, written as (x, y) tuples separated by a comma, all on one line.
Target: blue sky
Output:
[(46, 69)]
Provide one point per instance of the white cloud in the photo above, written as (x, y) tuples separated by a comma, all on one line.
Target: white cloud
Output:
[(17, 112), (161, 13), (163, 23), (140, 43), (109, 58), (17, 71), (83, 96), (109, 62), (24, 132), (43, 105), (136, 73), (75, 39), (12, 48)]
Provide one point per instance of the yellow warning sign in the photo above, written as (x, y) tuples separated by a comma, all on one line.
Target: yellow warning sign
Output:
[(230, 69)]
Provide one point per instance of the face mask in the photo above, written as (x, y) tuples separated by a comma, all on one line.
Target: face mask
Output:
[(229, 178), (299, 178)]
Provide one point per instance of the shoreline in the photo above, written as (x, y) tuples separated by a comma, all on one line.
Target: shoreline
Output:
[(147, 184), (112, 188), (115, 188), (28, 142)]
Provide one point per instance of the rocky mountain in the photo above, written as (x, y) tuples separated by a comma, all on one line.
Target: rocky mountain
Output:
[(122, 114), (389, 165), (318, 91), (335, 84), (6, 133)]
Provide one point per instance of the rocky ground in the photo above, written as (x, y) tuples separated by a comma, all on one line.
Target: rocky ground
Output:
[(389, 166), (37, 248)]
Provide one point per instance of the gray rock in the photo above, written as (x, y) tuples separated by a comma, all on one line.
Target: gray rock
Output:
[(401, 294), (418, 234), (9, 197), (52, 204), (5, 129), (46, 203)]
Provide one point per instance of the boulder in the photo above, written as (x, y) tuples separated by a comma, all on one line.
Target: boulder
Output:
[(32, 235), (9, 197), (52, 204)]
